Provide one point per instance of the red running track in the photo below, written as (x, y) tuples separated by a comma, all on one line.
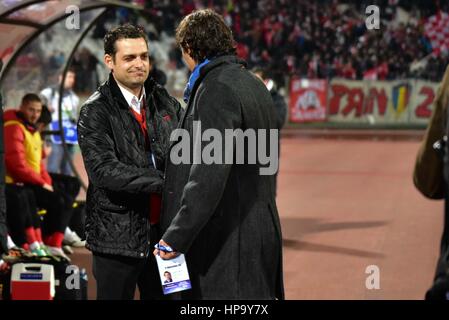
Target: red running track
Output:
[(346, 204)]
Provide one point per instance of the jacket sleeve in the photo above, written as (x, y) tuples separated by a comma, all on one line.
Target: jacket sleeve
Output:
[(44, 174), (218, 108), (176, 108), (15, 159), (103, 167), (179, 110), (281, 109)]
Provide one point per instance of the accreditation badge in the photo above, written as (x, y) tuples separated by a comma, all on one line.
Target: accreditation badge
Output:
[(174, 274)]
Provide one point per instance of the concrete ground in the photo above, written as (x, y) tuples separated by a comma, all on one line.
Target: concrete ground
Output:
[(347, 202)]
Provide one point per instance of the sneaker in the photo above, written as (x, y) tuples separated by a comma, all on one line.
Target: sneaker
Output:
[(67, 249), (45, 249), (73, 240), (40, 252), (58, 252)]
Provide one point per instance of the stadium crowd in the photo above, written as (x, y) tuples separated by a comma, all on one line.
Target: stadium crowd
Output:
[(323, 38)]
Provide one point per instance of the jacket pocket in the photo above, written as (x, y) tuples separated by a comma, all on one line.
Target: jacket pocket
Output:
[(112, 201), (113, 228), (119, 209)]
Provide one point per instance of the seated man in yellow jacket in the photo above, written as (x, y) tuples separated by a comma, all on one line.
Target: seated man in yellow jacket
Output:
[(25, 169)]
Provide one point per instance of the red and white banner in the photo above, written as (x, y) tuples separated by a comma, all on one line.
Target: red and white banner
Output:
[(381, 102), (308, 99), (436, 29)]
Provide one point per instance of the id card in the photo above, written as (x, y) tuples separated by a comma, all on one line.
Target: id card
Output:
[(174, 274)]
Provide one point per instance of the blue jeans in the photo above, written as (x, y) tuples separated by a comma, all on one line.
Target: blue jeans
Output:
[(57, 162)]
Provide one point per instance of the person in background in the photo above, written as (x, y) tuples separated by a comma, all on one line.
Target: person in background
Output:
[(24, 165), (280, 106), (158, 75), (57, 162)]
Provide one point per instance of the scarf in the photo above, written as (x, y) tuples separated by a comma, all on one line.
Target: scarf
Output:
[(192, 79)]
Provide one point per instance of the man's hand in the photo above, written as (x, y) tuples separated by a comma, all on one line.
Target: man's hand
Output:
[(164, 254), (47, 149), (48, 187)]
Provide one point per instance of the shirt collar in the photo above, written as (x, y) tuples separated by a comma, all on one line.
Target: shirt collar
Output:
[(129, 96)]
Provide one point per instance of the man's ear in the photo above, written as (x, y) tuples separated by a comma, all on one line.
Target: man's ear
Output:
[(109, 61), (187, 50)]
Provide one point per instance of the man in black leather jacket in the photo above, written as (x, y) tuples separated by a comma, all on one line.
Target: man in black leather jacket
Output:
[(123, 131)]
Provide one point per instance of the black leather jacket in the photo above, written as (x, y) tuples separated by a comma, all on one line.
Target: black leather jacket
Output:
[(121, 173)]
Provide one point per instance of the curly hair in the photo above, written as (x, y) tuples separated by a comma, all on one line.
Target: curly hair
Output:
[(204, 34), (126, 31)]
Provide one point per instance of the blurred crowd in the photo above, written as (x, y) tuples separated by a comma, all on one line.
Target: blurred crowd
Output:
[(323, 38), (310, 39)]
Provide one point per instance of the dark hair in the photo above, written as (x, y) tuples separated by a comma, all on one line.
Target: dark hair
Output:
[(45, 117), (204, 34), (71, 69), (126, 31), (30, 97)]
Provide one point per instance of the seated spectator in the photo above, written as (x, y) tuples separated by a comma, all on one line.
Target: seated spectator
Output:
[(24, 165), (23, 221)]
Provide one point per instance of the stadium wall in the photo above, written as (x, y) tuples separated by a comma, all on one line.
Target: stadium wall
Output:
[(367, 103)]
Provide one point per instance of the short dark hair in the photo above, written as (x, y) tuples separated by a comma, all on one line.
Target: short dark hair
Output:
[(204, 34), (126, 31), (71, 69), (30, 97)]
